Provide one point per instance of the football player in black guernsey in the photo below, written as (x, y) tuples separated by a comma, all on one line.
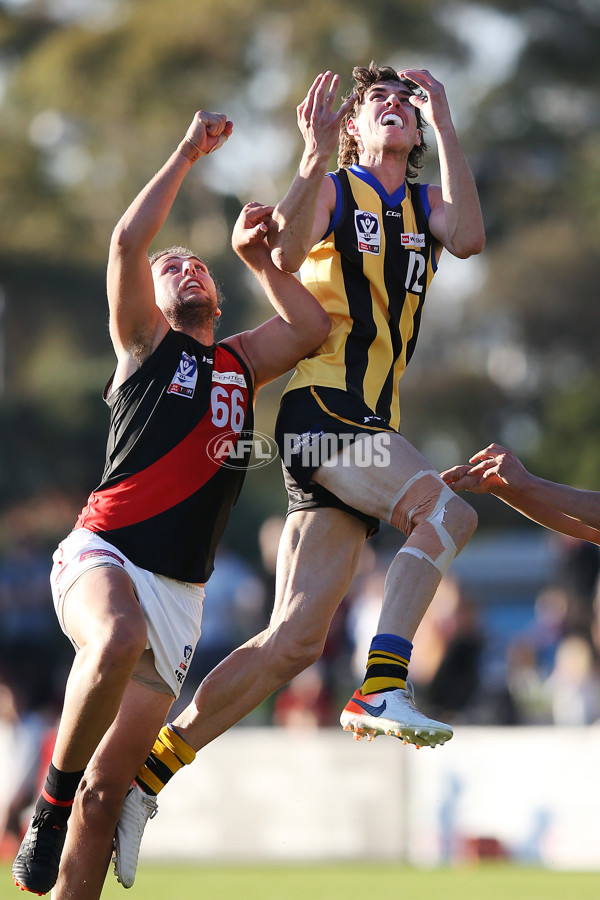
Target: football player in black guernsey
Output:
[(128, 582)]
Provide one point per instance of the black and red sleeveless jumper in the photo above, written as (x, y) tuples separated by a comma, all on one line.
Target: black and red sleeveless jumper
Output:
[(178, 450)]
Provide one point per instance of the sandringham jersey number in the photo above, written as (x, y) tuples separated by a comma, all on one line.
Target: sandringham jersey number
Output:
[(416, 268), (227, 409)]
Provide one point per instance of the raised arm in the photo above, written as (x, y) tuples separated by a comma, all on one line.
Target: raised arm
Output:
[(136, 323), (300, 325), (302, 217), (455, 218), (498, 471)]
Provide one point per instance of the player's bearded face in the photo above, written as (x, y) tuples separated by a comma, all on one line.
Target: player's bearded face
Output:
[(185, 292)]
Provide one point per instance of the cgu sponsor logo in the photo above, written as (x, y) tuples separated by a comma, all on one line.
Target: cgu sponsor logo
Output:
[(230, 449)]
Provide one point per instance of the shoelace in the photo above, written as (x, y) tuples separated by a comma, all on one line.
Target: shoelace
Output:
[(42, 839), (410, 692), (152, 805)]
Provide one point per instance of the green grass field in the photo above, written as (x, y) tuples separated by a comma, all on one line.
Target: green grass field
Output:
[(343, 882)]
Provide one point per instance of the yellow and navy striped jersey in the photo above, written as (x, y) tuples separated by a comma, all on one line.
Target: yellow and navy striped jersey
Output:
[(370, 272)]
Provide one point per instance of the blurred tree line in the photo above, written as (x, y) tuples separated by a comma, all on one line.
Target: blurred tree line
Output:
[(96, 93)]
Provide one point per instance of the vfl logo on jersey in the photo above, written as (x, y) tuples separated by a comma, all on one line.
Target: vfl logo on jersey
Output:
[(410, 240), (185, 378), (368, 231)]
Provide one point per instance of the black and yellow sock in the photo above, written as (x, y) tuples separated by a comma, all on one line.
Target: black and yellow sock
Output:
[(387, 664), (58, 792), (169, 754)]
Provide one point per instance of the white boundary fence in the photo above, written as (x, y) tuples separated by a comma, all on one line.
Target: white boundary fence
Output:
[(532, 794)]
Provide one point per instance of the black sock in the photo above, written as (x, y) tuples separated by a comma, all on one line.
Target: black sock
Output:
[(58, 792)]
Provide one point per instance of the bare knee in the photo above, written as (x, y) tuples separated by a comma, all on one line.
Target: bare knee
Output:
[(99, 803), (433, 516), (291, 652), (119, 649), (460, 521)]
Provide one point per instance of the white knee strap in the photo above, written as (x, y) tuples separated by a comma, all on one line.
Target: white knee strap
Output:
[(418, 510)]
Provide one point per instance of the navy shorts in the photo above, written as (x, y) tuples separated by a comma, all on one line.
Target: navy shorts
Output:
[(313, 424)]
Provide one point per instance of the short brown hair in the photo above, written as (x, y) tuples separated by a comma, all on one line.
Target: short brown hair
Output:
[(171, 251), (364, 78), (184, 251)]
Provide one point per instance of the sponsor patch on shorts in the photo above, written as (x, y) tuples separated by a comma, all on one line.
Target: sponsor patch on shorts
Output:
[(181, 671), (90, 554)]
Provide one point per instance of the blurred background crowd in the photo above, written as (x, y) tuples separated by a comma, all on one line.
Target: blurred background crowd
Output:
[(93, 95), (502, 644)]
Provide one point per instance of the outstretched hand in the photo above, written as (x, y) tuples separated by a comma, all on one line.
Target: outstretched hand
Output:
[(209, 131), (317, 119), (431, 97), (487, 472), (459, 478), (250, 231), (498, 465)]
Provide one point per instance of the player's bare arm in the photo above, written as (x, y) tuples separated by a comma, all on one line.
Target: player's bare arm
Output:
[(301, 324), (136, 323), (302, 217), (455, 220), (559, 507)]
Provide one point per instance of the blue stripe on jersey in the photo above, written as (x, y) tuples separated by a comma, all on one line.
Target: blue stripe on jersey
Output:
[(392, 200), (337, 212)]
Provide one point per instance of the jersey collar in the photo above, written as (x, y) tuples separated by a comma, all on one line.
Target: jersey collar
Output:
[(391, 199)]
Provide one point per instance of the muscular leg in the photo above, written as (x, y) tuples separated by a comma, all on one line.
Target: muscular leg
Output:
[(88, 847), (311, 582), (411, 496), (104, 618), (317, 558), (106, 622), (411, 581)]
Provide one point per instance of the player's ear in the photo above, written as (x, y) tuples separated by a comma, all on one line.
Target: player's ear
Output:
[(419, 138), (351, 126)]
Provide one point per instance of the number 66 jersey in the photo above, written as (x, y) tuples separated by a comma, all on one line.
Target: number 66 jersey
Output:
[(179, 445)]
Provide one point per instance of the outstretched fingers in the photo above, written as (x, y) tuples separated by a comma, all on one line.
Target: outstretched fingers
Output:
[(455, 474), (471, 478), (317, 108), (255, 211), (430, 96), (485, 468), (490, 450)]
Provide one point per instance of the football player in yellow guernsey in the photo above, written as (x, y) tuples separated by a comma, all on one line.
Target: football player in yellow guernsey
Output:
[(367, 242)]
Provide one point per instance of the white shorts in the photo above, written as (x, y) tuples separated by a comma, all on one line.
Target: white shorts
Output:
[(173, 609)]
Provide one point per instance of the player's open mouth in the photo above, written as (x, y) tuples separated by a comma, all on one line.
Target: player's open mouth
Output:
[(392, 119)]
